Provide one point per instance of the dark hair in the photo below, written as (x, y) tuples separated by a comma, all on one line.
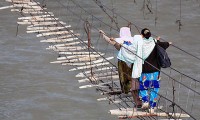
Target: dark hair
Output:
[(146, 33)]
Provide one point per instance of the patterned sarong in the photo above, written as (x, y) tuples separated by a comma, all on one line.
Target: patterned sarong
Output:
[(149, 88)]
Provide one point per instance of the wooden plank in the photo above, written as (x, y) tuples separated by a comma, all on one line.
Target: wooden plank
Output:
[(28, 6), (61, 40), (45, 28), (23, 2), (54, 33), (85, 59), (40, 20), (45, 23), (36, 12), (26, 11), (113, 77), (118, 98), (79, 53), (34, 17), (78, 56), (89, 66), (33, 3), (104, 99), (70, 43), (139, 109), (112, 100), (39, 23), (69, 48), (82, 74), (19, 1), (96, 85), (39, 31), (90, 86), (131, 113), (80, 60), (61, 37), (28, 3), (115, 92), (101, 74), (67, 45), (6, 7), (33, 12)]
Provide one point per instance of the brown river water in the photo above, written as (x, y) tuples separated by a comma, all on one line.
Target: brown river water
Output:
[(33, 89)]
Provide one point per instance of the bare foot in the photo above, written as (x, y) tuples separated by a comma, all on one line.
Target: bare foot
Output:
[(145, 105)]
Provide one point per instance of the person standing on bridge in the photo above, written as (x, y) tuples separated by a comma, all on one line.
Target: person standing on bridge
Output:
[(149, 80), (127, 61)]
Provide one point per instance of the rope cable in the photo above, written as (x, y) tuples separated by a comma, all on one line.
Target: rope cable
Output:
[(152, 34), (171, 45)]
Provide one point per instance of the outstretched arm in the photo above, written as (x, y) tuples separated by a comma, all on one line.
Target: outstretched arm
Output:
[(165, 45), (109, 40)]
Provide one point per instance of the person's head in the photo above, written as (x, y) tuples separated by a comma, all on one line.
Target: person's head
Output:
[(146, 33), (125, 32)]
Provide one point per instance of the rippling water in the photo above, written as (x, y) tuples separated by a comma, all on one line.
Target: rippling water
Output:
[(33, 89)]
